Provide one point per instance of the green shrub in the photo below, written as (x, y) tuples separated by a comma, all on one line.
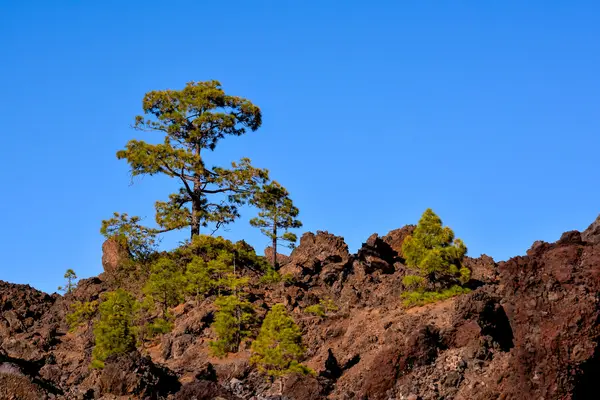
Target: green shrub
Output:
[(419, 298), (271, 276), (115, 331), (166, 283), (232, 324), (82, 314), (315, 309), (278, 348), (414, 281), (321, 309), (434, 253), (159, 326)]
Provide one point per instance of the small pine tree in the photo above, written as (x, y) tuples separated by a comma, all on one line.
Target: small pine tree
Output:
[(277, 215), (70, 276), (82, 314), (232, 324), (435, 254), (278, 348), (114, 332), (165, 284), (198, 277)]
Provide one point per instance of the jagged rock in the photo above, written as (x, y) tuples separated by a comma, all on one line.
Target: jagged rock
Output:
[(19, 387), (592, 233), (302, 387), (529, 329), (132, 374), (282, 259), (113, 255), (395, 238), (316, 253), (377, 255), (204, 390), (484, 269)]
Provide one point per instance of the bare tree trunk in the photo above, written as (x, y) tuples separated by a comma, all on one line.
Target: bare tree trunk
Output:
[(275, 246), (196, 205)]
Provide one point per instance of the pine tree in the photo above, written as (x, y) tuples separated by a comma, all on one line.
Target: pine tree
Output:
[(277, 215), (232, 324), (435, 254), (165, 284), (114, 332), (70, 276), (278, 348), (199, 278), (192, 121)]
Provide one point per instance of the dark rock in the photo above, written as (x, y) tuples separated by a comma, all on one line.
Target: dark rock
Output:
[(302, 387), (332, 368), (132, 374)]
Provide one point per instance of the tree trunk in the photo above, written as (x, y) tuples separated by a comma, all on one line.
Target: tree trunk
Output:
[(275, 247), (196, 205)]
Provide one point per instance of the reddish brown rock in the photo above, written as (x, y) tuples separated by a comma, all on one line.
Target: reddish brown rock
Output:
[(484, 269), (396, 238), (282, 259), (113, 255), (592, 233), (132, 374)]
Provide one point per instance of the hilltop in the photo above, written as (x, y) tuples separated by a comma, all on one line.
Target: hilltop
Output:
[(528, 329)]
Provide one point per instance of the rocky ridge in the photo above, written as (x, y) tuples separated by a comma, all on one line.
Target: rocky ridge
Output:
[(528, 330)]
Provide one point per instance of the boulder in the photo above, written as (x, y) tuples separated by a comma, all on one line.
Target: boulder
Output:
[(134, 375), (395, 238), (592, 233), (113, 255), (282, 259)]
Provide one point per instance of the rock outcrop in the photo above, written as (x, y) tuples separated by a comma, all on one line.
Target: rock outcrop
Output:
[(528, 330)]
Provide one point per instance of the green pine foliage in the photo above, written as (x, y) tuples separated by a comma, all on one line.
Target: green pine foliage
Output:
[(82, 314), (278, 349), (435, 256), (140, 241), (276, 216), (199, 278), (321, 309), (271, 276), (71, 278), (166, 283), (115, 331), (420, 298), (192, 121), (434, 252), (232, 324)]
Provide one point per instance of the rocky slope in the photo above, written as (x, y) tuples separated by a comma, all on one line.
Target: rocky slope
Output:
[(528, 330)]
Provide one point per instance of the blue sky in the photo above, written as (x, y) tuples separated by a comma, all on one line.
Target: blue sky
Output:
[(373, 111)]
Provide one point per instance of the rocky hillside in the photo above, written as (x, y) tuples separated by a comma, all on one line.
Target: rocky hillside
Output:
[(528, 330)]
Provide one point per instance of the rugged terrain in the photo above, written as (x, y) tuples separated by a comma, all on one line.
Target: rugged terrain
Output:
[(528, 330)]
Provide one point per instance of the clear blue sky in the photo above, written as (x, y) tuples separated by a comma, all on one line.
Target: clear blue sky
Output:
[(488, 112)]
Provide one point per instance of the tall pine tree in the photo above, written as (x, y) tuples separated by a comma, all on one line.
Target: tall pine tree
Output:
[(193, 121)]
